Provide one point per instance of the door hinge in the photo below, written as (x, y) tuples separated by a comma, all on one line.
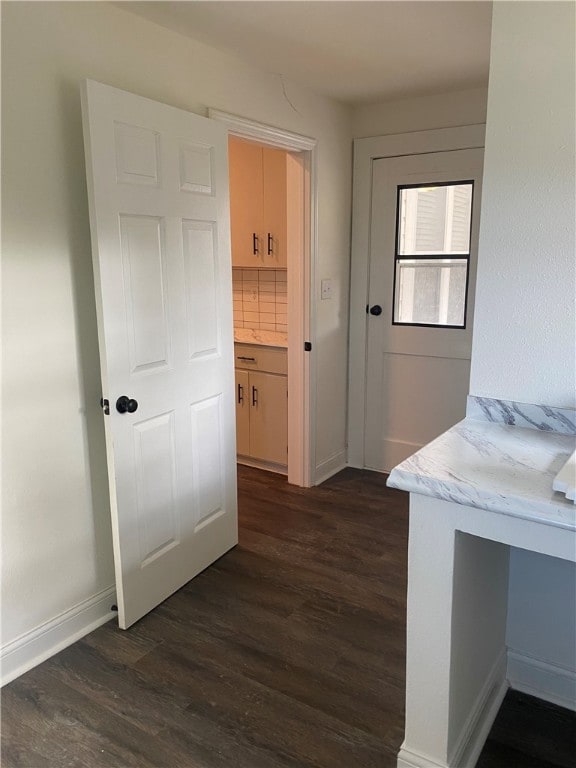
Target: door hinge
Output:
[(307, 346), (105, 405)]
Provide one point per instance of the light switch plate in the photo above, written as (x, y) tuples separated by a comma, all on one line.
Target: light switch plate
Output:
[(326, 289)]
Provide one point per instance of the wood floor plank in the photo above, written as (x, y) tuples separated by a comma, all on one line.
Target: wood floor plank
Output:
[(288, 652), (70, 728)]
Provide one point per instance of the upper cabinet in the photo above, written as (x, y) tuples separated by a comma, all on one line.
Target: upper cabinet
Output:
[(257, 204), (274, 208)]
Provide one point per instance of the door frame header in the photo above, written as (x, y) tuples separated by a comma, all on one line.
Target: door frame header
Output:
[(262, 133)]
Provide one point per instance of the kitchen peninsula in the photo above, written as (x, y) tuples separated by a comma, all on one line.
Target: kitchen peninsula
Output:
[(482, 487)]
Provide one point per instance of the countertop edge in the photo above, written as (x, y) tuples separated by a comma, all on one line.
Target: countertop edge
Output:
[(413, 483), (427, 473)]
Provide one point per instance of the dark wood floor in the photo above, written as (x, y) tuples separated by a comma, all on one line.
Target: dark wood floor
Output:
[(286, 653)]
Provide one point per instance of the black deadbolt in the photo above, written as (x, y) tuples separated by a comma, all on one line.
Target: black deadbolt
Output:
[(376, 309), (124, 403)]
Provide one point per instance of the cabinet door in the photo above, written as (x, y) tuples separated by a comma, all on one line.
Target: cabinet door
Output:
[(269, 417), (242, 413), (274, 184), (246, 205)]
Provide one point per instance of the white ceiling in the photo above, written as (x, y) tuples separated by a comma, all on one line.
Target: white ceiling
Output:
[(353, 51)]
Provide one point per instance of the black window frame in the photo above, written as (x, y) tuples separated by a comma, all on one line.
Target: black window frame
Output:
[(432, 256)]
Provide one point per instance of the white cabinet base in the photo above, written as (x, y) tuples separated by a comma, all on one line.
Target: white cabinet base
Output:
[(456, 624)]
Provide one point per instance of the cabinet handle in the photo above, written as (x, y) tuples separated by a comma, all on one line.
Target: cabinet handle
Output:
[(254, 396), (255, 244), (270, 244), (240, 394), (249, 359)]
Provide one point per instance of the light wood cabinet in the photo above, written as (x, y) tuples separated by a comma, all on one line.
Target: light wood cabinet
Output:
[(242, 413), (268, 417), (258, 201), (261, 405)]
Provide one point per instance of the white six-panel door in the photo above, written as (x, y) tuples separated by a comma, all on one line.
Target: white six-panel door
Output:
[(159, 213)]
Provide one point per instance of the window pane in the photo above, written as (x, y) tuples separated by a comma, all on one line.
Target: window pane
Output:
[(434, 220), (432, 292)]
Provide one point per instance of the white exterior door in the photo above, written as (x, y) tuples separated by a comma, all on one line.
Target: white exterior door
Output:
[(423, 250), (159, 212)]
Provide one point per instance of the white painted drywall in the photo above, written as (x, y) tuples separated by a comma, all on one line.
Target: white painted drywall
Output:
[(524, 335), (524, 328), (542, 625), (57, 541), (423, 113)]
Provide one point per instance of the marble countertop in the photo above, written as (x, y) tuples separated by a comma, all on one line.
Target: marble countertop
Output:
[(501, 468), (264, 338)]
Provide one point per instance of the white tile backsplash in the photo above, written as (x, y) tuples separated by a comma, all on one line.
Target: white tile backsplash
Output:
[(260, 298)]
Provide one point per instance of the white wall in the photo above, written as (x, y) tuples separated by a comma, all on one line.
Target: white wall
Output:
[(57, 540), (541, 631), (524, 336), (424, 113), (527, 269)]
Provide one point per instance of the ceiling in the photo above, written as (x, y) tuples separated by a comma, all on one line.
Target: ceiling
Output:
[(353, 51)]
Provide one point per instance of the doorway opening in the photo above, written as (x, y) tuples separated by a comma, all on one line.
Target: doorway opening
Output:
[(273, 237)]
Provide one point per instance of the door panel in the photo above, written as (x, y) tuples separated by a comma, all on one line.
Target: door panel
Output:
[(143, 271), (155, 459), (158, 192), (209, 480), (201, 276), (416, 377), (422, 395), (269, 417)]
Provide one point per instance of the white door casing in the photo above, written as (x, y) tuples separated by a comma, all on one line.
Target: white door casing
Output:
[(302, 215), (159, 213)]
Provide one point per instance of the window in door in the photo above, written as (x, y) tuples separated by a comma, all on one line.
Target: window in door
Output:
[(432, 254)]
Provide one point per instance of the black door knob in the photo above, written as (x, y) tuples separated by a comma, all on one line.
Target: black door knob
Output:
[(124, 403), (376, 309)]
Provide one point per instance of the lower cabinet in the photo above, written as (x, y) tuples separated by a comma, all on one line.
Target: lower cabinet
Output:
[(262, 416), (242, 412)]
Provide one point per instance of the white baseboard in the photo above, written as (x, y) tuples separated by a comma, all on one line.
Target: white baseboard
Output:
[(42, 642), (409, 758), (394, 452), (473, 736), (267, 466), (538, 678), (330, 467), (470, 742)]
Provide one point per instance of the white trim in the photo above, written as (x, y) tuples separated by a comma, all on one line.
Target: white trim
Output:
[(410, 758), (394, 452), (330, 467), (480, 720), (365, 152), (42, 642), (301, 314), (475, 731), (262, 133), (542, 679), (267, 466)]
